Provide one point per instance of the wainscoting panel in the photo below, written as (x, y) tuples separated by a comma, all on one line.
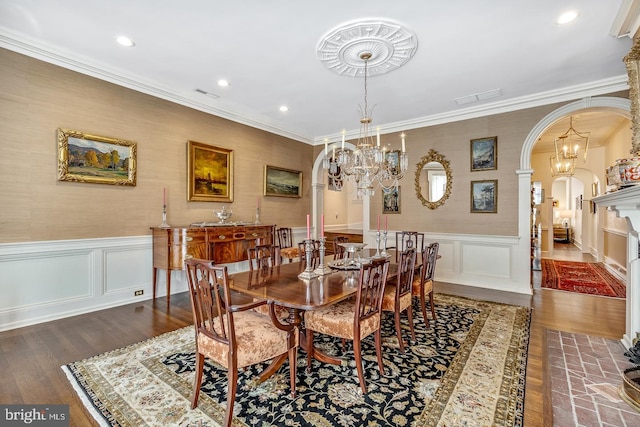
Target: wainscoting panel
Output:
[(43, 281), (122, 274)]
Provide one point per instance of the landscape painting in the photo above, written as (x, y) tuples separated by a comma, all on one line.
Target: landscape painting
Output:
[(282, 182), (210, 173), (484, 154), (484, 196), (95, 159)]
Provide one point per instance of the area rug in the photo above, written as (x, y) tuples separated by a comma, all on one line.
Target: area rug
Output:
[(468, 368), (582, 277)]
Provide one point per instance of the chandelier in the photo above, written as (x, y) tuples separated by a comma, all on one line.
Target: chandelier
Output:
[(370, 164), (568, 147)]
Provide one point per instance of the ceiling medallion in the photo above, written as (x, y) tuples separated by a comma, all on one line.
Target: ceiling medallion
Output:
[(391, 46)]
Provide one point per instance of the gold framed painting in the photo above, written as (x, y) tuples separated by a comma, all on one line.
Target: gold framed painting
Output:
[(484, 196), (209, 173), (83, 157), (391, 200), (282, 182), (484, 154)]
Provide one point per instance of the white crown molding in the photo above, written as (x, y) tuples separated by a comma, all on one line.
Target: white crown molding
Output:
[(50, 55), (627, 20), (82, 65), (569, 93)]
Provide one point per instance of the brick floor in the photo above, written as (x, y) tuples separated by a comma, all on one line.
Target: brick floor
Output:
[(586, 374)]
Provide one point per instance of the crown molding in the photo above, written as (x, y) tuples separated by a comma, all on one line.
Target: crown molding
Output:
[(81, 65), (627, 20)]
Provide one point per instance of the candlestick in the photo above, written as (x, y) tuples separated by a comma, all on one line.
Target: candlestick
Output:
[(164, 217), (322, 268), (308, 272)]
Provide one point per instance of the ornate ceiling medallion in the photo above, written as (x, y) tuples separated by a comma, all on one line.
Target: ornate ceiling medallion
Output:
[(391, 46)]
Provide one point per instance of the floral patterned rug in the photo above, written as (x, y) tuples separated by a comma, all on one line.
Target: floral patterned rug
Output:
[(468, 368), (582, 277)]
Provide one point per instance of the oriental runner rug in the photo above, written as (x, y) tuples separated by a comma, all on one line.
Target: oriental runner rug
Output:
[(468, 368), (582, 277)]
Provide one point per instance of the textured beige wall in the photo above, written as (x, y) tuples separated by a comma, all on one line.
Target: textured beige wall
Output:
[(36, 98)]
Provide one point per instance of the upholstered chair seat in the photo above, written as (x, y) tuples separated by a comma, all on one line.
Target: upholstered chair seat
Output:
[(337, 320)]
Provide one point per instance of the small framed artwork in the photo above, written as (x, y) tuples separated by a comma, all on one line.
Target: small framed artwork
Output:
[(83, 157), (484, 154), (282, 182), (210, 173), (393, 160), (484, 196), (391, 201)]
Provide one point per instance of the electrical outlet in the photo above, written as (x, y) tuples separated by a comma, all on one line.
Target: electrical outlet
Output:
[(138, 293)]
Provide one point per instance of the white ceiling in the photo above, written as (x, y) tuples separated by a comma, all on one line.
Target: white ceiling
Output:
[(268, 52)]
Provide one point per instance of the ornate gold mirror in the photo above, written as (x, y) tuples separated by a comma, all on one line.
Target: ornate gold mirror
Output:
[(433, 180)]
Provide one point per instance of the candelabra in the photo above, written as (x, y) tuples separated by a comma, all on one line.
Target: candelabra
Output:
[(322, 269), (384, 252), (257, 216), (308, 272), (164, 217)]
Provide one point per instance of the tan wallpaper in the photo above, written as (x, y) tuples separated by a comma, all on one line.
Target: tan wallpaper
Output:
[(36, 98)]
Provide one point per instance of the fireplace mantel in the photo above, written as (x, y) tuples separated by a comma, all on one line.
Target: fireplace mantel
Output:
[(626, 203)]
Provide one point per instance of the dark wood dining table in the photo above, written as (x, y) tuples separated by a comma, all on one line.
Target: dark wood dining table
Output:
[(281, 285)]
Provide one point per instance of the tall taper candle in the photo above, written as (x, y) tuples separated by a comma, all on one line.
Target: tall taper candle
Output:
[(308, 228), (322, 226), (164, 196), (378, 223)]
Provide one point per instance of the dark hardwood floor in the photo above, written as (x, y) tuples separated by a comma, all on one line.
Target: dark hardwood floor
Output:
[(31, 357)]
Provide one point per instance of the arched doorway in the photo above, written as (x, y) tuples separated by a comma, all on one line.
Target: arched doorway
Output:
[(619, 106)]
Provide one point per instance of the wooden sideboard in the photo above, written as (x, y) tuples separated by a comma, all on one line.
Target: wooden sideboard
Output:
[(219, 243), (354, 236)]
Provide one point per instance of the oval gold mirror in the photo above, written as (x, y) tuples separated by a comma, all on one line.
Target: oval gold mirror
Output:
[(433, 180)]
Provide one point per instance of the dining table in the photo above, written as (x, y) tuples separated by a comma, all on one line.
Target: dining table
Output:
[(281, 285)]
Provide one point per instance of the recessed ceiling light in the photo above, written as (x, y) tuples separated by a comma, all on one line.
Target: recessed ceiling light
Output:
[(284, 108), (567, 17), (223, 83), (125, 41)]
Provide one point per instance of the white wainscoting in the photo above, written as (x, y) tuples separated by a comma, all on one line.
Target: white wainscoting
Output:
[(43, 281), (476, 260)]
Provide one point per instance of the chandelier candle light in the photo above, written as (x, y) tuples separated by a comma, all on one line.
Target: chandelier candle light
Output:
[(370, 163)]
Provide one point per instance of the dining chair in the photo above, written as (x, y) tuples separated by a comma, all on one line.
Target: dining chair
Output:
[(233, 336), (285, 241), (338, 250), (263, 256), (423, 284), (355, 318), (408, 239), (398, 297)]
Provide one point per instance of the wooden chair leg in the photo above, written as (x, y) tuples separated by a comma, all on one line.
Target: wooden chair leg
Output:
[(357, 351), (378, 341), (198, 379), (232, 377), (410, 317), (396, 316), (293, 357), (424, 309), (433, 308), (309, 336)]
